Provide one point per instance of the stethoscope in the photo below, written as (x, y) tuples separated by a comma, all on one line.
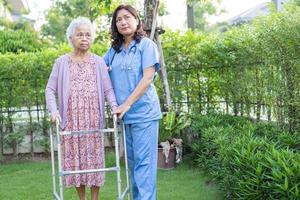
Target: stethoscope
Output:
[(125, 64)]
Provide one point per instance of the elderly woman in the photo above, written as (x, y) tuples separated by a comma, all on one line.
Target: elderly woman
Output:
[(80, 80)]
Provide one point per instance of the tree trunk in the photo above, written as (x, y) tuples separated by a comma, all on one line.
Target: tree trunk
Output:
[(248, 108), (46, 124), (187, 85), (31, 132), (279, 110), (227, 104), (10, 130), (235, 108), (269, 112), (208, 97), (258, 108), (190, 16), (1, 134), (200, 99), (290, 101), (242, 107), (258, 95), (150, 13)]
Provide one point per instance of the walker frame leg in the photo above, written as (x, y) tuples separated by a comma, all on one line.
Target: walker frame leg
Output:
[(117, 168)]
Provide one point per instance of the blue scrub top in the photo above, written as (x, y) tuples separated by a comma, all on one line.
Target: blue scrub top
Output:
[(126, 71)]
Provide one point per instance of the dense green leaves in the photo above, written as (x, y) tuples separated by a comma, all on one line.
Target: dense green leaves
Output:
[(19, 41), (250, 160), (253, 69)]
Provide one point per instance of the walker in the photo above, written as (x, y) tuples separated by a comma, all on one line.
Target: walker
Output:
[(61, 172)]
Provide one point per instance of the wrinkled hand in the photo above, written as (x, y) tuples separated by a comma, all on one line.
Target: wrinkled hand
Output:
[(121, 110), (55, 116)]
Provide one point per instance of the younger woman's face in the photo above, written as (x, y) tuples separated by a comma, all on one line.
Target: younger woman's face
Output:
[(126, 23)]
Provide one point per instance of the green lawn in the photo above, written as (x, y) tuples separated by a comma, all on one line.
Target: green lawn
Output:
[(32, 181)]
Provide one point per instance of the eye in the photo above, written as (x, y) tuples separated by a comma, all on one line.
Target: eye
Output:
[(118, 20)]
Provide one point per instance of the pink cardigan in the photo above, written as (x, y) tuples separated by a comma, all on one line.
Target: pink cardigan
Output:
[(59, 84)]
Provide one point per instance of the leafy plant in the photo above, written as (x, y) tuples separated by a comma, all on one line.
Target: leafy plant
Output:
[(14, 139), (19, 41), (245, 157), (171, 125), (45, 143)]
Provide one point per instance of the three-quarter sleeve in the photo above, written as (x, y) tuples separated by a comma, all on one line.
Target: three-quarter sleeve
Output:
[(108, 88), (51, 89)]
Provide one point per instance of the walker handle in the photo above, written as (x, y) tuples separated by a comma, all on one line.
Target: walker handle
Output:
[(57, 122), (115, 118)]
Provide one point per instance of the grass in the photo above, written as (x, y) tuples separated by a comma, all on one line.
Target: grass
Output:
[(32, 181)]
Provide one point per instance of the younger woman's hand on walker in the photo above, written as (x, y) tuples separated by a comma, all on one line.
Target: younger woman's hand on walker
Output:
[(121, 110)]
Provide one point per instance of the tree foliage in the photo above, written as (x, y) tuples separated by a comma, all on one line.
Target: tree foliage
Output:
[(197, 12), (19, 36), (252, 69), (202, 9), (19, 41), (60, 15)]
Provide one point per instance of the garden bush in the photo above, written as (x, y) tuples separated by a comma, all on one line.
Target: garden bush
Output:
[(249, 70), (250, 160), (19, 41)]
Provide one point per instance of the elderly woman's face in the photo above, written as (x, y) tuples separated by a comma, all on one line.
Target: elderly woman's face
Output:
[(126, 23), (82, 38)]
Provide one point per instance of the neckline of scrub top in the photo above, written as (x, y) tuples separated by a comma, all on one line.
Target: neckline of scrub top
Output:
[(132, 44)]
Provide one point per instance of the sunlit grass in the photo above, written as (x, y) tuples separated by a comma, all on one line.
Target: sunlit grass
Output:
[(32, 181)]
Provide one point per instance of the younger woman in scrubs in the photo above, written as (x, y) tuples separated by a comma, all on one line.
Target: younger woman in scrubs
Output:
[(133, 60)]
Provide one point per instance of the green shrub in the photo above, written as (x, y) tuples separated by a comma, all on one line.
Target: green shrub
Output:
[(250, 160), (202, 122), (19, 41), (278, 135), (289, 141), (23, 77), (172, 124), (268, 129), (207, 149), (258, 170), (253, 67), (13, 139)]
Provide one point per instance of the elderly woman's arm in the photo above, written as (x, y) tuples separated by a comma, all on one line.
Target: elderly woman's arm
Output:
[(51, 90), (108, 88)]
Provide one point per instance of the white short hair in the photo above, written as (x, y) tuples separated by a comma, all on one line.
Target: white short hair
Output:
[(75, 23)]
